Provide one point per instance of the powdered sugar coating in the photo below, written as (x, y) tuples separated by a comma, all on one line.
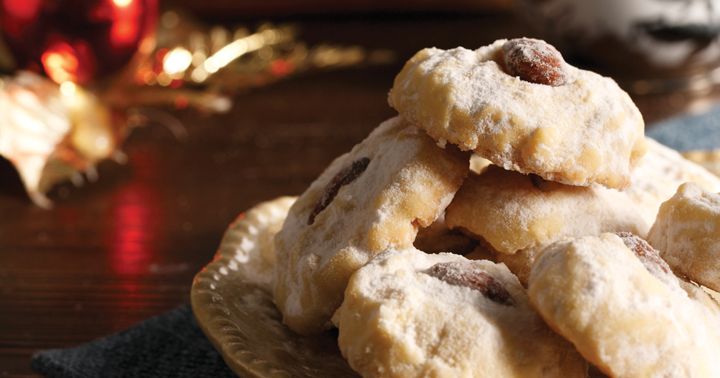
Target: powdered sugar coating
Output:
[(468, 274), (659, 174), (585, 131), (514, 212), (399, 321), (623, 319), (407, 184), (647, 255), (687, 232)]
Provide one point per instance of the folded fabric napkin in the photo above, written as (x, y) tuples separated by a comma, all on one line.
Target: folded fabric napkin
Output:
[(169, 345), (172, 344)]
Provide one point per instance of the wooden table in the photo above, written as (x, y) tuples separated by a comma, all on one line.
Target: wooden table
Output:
[(126, 248)]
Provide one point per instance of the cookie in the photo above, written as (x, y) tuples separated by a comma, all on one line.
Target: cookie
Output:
[(621, 306), (373, 198), (659, 174), (708, 159), (513, 212), (653, 261), (687, 233), (518, 104), (659, 171), (412, 314)]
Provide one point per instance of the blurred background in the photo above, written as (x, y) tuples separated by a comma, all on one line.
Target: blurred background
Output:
[(132, 132)]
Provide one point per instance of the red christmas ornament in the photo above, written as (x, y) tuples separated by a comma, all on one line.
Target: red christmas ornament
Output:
[(76, 40)]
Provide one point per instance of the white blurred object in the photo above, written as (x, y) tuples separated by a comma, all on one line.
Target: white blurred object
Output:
[(52, 133), (644, 39), (641, 24)]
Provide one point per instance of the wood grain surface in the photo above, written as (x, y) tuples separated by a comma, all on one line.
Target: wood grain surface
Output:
[(125, 248)]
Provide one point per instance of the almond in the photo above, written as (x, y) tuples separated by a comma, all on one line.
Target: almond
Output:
[(467, 274), (648, 255), (342, 178), (535, 61)]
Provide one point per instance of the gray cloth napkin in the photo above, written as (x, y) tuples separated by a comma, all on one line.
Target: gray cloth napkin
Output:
[(172, 345), (169, 345)]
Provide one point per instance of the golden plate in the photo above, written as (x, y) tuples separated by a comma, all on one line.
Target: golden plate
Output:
[(233, 305)]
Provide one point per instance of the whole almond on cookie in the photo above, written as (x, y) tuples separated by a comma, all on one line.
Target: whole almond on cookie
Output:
[(535, 61)]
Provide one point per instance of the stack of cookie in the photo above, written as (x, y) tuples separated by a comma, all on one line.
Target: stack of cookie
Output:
[(555, 273)]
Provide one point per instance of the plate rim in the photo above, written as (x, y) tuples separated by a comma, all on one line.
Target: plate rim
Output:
[(211, 312)]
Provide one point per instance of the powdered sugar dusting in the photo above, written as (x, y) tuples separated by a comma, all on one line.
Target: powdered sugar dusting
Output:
[(466, 274), (623, 319), (417, 324), (687, 232), (585, 131), (659, 174), (406, 183), (527, 212), (647, 255)]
